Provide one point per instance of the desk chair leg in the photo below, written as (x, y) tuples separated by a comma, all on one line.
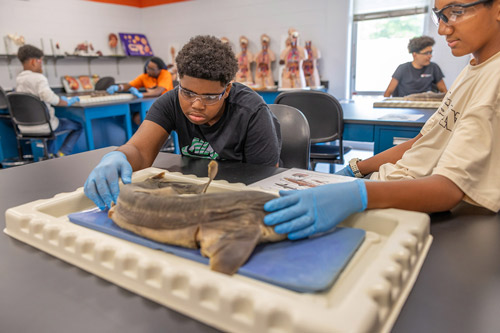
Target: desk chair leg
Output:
[(20, 150), (45, 150), (175, 138)]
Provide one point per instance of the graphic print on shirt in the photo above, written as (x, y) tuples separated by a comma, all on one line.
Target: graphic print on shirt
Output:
[(449, 115), (199, 148)]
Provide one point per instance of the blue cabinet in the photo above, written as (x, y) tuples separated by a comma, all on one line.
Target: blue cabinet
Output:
[(390, 136)]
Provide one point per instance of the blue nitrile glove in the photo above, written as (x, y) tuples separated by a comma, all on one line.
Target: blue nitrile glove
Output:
[(71, 100), (135, 92), (302, 213), (102, 184), (112, 89), (346, 171)]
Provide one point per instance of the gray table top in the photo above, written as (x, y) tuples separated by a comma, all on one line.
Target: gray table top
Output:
[(458, 289), (365, 113)]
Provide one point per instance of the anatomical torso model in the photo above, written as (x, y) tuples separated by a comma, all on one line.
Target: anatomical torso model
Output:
[(263, 73), (245, 58), (292, 57), (310, 65)]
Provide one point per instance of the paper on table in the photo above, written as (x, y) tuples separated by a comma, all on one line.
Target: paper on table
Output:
[(401, 116), (299, 179)]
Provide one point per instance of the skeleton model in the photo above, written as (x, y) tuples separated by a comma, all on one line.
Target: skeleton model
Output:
[(310, 65), (244, 74), (263, 74), (292, 57)]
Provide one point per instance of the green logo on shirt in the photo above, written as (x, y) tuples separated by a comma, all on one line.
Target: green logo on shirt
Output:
[(199, 148)]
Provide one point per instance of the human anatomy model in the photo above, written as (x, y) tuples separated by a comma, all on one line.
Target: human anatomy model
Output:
[(310, 65), (172, 68), (245, 58), (292, 56), (263, 73)]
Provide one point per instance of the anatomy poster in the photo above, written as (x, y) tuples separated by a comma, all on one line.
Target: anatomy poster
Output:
[(135, 44)]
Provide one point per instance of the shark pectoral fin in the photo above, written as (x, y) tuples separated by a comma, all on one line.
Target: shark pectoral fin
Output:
[(229, 251)]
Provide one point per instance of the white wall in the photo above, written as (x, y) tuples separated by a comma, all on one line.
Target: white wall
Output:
[(68, 22), (325, 22)]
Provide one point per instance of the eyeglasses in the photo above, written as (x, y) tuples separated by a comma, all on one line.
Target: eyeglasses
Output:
[(455, 13), (425, 53), (205, 99), (153, 70)]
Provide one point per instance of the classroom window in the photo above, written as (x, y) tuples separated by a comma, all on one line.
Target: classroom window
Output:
[(380, 42)]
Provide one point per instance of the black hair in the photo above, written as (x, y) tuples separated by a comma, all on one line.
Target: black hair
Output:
[(158, 61), (206, 57), (27, 52), (417, 44)]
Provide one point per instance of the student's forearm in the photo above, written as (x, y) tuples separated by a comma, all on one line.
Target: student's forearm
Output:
[(441, 86), (134, 156), (391, 155), (430, 194), (154, 92), (124, 87), (62, 102), (143, 147), (392, 86)]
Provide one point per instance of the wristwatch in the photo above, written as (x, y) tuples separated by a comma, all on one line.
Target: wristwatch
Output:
[(353, 164)]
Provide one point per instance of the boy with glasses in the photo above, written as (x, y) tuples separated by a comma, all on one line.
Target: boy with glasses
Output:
[(454, 158), (418, 75), (214, 118)]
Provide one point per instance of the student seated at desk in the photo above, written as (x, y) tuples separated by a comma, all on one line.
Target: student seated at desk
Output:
[(156, 79), (419, 75), (214, 118), (31, 80), (455, 157)]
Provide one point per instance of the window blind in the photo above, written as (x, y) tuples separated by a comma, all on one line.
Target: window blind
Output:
[(375, 9)]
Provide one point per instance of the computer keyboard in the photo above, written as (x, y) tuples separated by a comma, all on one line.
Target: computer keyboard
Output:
[(89, 99)]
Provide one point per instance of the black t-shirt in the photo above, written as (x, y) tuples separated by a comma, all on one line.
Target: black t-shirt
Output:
[(412, 80), (246, 132)]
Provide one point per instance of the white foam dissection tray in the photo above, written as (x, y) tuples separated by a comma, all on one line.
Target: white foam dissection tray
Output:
[(367, 297)]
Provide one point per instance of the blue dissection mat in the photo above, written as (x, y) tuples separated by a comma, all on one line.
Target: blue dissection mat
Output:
[(308, 265)]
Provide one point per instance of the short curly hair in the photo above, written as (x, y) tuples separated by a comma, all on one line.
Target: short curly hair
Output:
[(417, 44), (206, 57), (27, 52)]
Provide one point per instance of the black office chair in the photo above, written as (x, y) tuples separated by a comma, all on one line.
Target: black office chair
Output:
[(326, 122), (104, 82), (295, 136), (22, 158), (28, 110), (4, 103)]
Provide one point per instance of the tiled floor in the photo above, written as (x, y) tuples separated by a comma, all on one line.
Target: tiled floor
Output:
[(359, 149)]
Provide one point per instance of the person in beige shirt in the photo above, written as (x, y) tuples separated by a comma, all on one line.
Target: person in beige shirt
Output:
[(454, 158)]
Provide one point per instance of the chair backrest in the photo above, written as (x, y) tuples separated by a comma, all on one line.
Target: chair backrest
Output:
[(322, 110), (4, 102), (104, 82), (295, 136), (28, 110)]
